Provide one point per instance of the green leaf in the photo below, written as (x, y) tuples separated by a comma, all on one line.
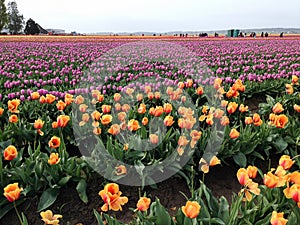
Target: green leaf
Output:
[(280, 144), (240, 159), (64, 180), (98, 217), (81, 189), (48, 198), (24, 220), (163, 217)]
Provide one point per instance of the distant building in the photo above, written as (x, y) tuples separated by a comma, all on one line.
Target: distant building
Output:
[(56, 31)]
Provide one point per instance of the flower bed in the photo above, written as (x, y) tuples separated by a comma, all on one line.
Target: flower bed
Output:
[(141, 112)]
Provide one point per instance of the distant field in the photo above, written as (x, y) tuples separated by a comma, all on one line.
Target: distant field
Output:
[(96, 38)]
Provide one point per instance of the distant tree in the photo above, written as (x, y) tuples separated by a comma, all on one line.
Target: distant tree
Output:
[(15, 19), (31, 27), (3, 14)]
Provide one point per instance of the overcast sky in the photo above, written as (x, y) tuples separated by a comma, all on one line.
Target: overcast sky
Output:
[(87, 16)]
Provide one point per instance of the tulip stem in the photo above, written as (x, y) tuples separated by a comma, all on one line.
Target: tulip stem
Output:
[(18, 214)]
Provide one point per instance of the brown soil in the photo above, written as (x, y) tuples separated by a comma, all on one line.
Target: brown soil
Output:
[(221, 180)]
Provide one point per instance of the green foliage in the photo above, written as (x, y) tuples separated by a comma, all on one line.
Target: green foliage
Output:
[(3, 15), (15, 19)]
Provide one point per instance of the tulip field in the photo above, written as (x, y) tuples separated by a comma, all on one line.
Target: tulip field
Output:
[(127, 113)]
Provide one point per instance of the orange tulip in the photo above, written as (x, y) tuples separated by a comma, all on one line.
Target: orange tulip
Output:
[(42, 99), (96, 115), (145, 121), (111, 195), (120, 170), (13, 118), (195, 135), (147, 89), (277, 219), (106, 109), (68, 99), (168, 121), (95, 124), (294, 177), (271, 180), (225, 121), (114, 129), (95, 93), (217, 83), (232, 106), (180, 151), (243, 108), (189, 83), (53, 159), (248, 120), (150, 95), (153, 139), (50, 98), (257, 121), (297, 108), (232, 93), (242, 176), (158, 111), (142, 109), (60, 105), (34, 95), (250, 187), (180, 85), (106, 119), (133, 125), (183, 141), (224, 103), (295, 79), (100, 98), (277, 108), (118, 106), (289, 89), (157, 95), (281, 121), (143, 204), (10, 153), (63, 120), (218, 113), (54, 142), (54, 125), (83, 108), (252, 171), (234, 133), (12, 192), (125, 108), (168, 108), (13, 105), (204, 166), (122, 116), (286, 162), (139, 97), (199, 90), (117, 97), (38, 124), (79, 99), (169, 91), (97, 130), (191, 209), (129, 91), (49, 218), (1, 111)]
